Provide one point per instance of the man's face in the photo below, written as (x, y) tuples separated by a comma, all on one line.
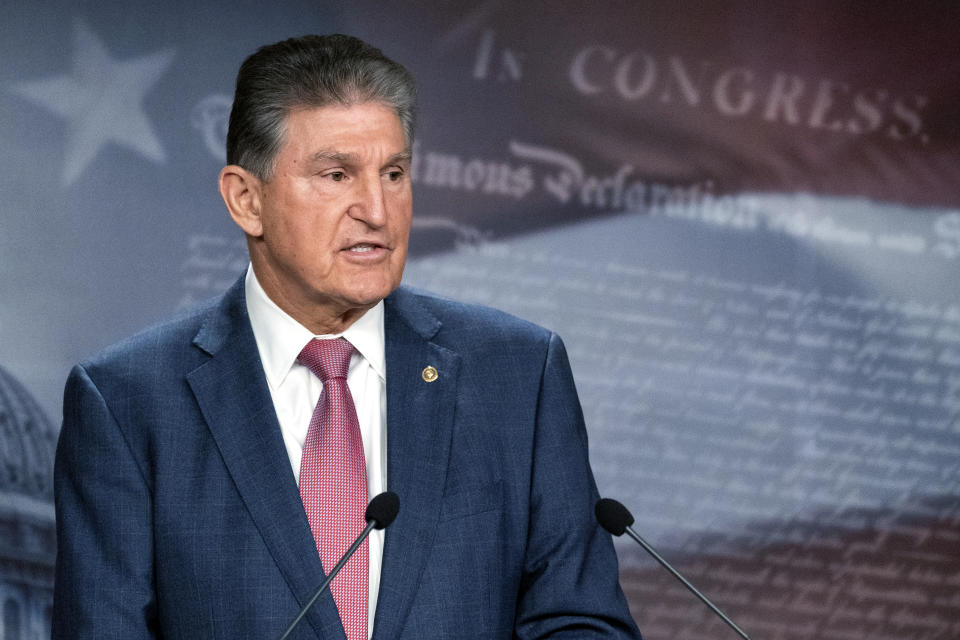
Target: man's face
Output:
[(336, 215)]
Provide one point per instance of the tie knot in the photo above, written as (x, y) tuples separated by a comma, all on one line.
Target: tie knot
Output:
[(327, 359)]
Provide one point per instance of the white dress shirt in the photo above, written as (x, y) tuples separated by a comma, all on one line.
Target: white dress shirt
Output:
[(295, 391)]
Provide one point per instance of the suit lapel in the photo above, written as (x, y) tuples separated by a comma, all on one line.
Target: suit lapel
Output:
[(419, 432), (232, 392)]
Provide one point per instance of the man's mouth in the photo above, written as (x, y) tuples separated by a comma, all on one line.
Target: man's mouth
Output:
[(363, 247)]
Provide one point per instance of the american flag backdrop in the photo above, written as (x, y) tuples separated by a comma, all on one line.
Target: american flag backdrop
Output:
[(743, 218)]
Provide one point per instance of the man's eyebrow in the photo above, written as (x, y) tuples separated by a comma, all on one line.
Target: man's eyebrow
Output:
[(351, 158), (399, 158), (335, 156)]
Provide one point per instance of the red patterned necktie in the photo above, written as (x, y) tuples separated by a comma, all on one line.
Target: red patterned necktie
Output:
[(333, 480)]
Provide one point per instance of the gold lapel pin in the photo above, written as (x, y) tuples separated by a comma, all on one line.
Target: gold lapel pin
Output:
[(429, 374)]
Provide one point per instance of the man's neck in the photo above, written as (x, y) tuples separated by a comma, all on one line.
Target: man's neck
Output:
[(319, 319)]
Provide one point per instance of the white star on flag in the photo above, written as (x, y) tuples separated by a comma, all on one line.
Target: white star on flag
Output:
[(101, 100)]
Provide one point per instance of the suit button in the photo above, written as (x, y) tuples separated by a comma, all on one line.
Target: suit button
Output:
[(429, 374)]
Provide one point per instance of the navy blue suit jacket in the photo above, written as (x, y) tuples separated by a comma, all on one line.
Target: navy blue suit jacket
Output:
[(178, 515)]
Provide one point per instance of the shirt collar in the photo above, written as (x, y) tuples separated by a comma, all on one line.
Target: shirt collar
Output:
[(280, 338)]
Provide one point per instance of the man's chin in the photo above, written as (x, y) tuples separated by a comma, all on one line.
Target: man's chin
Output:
[(366, 298)]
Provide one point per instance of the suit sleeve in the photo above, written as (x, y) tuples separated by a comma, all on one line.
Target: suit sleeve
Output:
[(570, 586), (104, 575)]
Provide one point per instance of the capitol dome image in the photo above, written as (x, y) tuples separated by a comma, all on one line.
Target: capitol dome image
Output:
[(27, 523)]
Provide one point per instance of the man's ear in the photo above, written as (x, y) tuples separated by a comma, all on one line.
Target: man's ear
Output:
[(241, 192)]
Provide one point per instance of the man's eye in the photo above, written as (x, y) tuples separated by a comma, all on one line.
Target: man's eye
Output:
[(336, 176), (393, 176)]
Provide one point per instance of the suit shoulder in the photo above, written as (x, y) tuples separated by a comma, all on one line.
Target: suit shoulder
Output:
[(151, 345), (480, 324)]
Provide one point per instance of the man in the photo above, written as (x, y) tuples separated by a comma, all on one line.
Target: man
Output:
[(177, 472)]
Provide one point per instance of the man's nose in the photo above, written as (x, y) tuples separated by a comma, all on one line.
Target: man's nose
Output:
[(370, 204)]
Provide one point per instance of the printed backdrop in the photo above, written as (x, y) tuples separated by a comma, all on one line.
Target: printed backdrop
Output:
[(743, 219)]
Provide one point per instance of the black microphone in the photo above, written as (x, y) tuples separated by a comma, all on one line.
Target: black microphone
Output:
[(616, 518), (379, 514)]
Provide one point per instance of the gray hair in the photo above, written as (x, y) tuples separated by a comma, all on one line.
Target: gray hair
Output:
[(310, 71)]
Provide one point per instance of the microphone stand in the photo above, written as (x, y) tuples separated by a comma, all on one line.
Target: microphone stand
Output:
[(330, 576), (666, 565), (380, 513)]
